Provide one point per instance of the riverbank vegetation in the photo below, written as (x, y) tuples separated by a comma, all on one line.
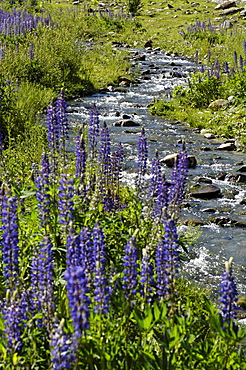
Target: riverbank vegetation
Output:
[(91, 270)]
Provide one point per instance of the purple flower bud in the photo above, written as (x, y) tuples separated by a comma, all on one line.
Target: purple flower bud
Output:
[(63, 348), (10, 241), (228, 294), (167, 261), (78, 299)]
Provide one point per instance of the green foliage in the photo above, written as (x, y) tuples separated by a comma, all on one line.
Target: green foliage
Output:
[(134, 6), (237, 86), (201, 90)]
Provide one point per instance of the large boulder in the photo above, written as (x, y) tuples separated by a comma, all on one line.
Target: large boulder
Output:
[(227, 146), (219, 103), (226, 5), (206, 192), (170, 159)]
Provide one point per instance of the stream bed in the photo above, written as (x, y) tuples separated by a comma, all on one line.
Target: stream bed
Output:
[(218, 241)]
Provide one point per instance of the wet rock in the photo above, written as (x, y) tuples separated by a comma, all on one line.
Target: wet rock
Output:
[(170, 159), (126, 123), (227, 146), (209, 136), (148, 44), (146, 72), (140, 57), (126, 116), (226, 5), (237, 178), (205, 180), (231, 11), (242, 169), (219, 103), (192, 222), (243, 201), (209, 210), (221, 176), (72, 110), (125, 83), (227, 221), (206, 192)]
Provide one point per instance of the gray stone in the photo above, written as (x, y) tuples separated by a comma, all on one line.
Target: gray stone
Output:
[(203, 180), (209, 136), (170, 159), (226, 5), (231, 11), (206, 192), (227, 146), (237, 178), (126, 123), (219, 103), (243, 168)]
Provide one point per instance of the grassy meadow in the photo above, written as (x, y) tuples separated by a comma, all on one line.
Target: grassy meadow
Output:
[(91, 270)]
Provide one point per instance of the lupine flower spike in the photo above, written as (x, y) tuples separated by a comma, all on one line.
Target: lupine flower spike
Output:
[(78, 300), (81, 155), (167, 261), (228, 292), (63, 348), (142, 157), (10, 241)]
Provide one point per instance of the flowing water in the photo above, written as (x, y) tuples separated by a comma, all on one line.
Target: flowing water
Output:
[(160, 72)]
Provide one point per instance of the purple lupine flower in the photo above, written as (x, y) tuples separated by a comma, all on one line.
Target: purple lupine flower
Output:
[(10, 241), (167, 261), (93, 129), (105, 169), (41, 281), (73, 247), (244, 47), (226, 69), (80, 157), (146, 280), (65, 202), (241, 62), (78, 299), (42, 182), (15, 315), (142, 156), (104, 155), (87, 255), (209, 55), (63, 348), (102, 291), (235, 60), (62, 120), (178, 181), (228, 294), (53, 128), (130, 278)]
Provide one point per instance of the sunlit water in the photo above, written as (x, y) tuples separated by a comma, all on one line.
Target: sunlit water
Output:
[(216, 244)]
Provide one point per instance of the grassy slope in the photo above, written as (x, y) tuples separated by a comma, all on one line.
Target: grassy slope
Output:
[(163, 22)]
